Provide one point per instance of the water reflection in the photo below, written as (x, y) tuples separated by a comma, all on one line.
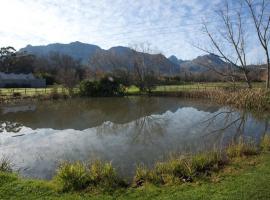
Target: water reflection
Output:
[(10, 127), (81, 114), (127, 132)]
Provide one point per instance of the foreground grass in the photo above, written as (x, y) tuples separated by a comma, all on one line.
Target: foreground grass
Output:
[(243, 178)]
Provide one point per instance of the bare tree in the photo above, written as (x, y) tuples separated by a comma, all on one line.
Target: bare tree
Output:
[(261, 20), (228, 42), (66, 70), (110, 61), (145, 77), (68, 77)]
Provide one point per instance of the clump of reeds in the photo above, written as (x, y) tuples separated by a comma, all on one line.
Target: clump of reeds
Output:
[(265, 143), (241, 148), (5, 165), (79, 176), (252, 99), (177, 170)]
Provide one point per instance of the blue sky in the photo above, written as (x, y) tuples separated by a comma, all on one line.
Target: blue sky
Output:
[(168, 25)]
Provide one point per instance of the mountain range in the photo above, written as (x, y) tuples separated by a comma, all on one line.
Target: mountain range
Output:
[(124, 56)]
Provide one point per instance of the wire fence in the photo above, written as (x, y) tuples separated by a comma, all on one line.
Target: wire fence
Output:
[(31, 92)]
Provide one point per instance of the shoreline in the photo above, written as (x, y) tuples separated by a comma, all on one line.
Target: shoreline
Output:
[(240, 165)]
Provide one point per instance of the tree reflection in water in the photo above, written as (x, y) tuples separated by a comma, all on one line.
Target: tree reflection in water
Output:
[(235, 123), (143, 130)]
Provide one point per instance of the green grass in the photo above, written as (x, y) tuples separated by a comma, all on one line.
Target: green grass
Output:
[(196, 86), (247, 178)]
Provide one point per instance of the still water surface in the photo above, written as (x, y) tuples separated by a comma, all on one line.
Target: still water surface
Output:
[(126, 131)]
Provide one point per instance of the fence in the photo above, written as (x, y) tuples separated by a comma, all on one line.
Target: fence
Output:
[(8, 93)]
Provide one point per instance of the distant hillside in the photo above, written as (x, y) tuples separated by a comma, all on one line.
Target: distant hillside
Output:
[(123, 57), (77, 50), (95, 57), (199, 64), (175, 60)]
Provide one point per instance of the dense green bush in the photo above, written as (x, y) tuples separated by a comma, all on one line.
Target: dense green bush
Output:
[(107, 86)]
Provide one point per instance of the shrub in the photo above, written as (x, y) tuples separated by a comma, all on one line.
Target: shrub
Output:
[(241, 148), (107, 86), (5, 165), (265, 143), (88, 88), (16, 94)]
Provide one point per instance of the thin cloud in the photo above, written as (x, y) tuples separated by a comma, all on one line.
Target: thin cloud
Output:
[(168, 25)]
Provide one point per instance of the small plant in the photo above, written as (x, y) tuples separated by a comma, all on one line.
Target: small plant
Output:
[(241, 148), (5, 165), (265, 143)]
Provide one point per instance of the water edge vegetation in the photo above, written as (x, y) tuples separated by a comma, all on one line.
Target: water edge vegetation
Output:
[(241, 171)]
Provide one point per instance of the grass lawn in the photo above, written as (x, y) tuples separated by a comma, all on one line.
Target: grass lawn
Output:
[(243, 179), (195, 87)]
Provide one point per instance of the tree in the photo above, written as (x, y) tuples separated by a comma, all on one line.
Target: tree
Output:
[(12, 61), (114, 62), (261, 20), (229, 42), (7, 58), (66, 69), (68, 77), (144, 75)]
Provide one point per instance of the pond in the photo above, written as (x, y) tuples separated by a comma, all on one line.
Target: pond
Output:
[(127, 131)]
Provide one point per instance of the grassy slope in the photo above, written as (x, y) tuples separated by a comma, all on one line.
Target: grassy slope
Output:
[(244, 179)]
